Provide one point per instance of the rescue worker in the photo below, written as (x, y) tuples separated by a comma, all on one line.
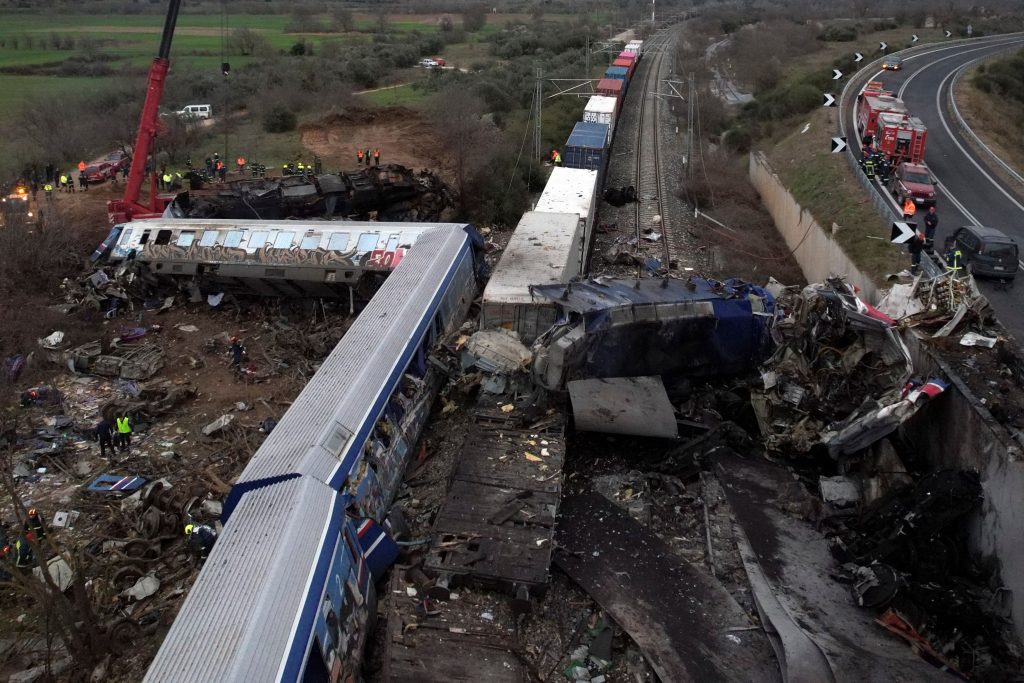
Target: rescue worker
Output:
[(34, 525), (165, 181), (81, 166), (868, 164), (301, 168), (24, 558), (376, 156), (931, 222), (124, 433), (83, 181), (63, 182), (222, 171), (909, 209), (48, 189), (359, 157), (318, 164), (366, 156), (240, 161), (916, 246), (556, 158), (954, 257), (237, 352), (209, 166), (201, 538)]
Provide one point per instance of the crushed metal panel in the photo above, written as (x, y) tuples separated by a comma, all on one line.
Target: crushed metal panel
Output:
[(676, 614), (638, 406), (795, 561)]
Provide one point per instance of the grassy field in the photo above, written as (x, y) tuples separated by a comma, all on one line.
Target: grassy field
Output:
[(403, 95)]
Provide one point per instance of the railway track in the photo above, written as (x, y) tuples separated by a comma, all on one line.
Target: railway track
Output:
[(650, 180)]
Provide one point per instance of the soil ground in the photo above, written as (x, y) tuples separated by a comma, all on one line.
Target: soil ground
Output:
[(402, 135)]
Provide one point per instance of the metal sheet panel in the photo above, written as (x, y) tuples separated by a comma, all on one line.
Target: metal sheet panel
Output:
[(638, 406), (238, 620)]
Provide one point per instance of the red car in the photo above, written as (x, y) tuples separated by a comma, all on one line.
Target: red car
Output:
[(104, 168), (913, 181)]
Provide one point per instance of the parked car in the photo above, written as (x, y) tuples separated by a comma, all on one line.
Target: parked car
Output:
[(99, 173), (913, 181), (987, 251), (892, 63), (196, 111), (428, 63)]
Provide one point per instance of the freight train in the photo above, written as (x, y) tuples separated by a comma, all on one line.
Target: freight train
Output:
[(551, 243)]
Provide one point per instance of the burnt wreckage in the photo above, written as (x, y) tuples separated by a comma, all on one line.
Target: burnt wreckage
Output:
[(391, 192)]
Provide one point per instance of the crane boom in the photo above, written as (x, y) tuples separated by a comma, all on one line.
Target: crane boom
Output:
[(128, 207)]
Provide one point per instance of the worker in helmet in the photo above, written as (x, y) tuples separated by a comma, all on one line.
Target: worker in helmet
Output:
[(34, 524), (201, 538), (237, 352)]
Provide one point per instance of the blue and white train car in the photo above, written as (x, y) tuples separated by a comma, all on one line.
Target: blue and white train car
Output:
[(288, 592)]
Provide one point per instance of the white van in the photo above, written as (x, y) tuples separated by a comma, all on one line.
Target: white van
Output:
[(196, 111)]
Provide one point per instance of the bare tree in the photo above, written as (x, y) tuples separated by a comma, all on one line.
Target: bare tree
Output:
[(465, 136)]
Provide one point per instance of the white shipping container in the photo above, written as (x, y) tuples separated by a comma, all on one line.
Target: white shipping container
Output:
[(572, 190), (601, 109), (546, 248)]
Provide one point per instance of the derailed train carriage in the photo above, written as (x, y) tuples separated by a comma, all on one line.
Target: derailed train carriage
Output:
[(272, 258), (287, 593)]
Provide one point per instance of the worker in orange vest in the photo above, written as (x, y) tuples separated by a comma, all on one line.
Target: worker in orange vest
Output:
[(556, 158), (241, 164), (376, 156), (81, 166), (359, 156), (909, 209)]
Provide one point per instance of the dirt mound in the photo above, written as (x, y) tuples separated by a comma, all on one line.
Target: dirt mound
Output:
[(404, 136)]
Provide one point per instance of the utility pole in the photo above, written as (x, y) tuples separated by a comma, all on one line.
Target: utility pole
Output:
[(538, 97), (586, 74), (691, 102), (652, 12)]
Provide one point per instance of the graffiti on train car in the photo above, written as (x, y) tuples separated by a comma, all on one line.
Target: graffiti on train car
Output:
[(340, 630), (376, 259)]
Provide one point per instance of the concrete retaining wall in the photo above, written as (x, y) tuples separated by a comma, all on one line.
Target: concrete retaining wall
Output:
[(818, 254), (958, 431)]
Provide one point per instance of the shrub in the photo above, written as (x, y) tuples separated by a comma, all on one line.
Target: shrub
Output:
[(838, 34), (279, 120), (738, 139)]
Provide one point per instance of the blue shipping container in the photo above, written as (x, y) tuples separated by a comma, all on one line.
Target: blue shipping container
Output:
[(619, 72), (586, 146)]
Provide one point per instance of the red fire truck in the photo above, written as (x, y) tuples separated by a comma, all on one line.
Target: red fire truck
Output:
[(871, 103), (900, 137)]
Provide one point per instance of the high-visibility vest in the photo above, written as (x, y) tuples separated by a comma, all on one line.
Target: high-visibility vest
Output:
[(167, 177), (359, 153), (909, 208), (122, 426), (240, 161), (376, 153), (64, 180), (558, 158), (48, 187), (955, 264), (22, 553), (81, 165)]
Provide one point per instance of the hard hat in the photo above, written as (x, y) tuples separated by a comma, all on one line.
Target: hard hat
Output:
[(32, 512)]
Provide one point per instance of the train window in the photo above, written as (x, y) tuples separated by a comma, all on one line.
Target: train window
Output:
[(186, 238), (310, 242), (209, 238), (392, 243), (258, 239), (367, 242), (144, 237), (163, 237), (233, 239), (338, 241), (284, 240)]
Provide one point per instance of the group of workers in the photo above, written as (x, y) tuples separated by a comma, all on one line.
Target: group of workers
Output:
[(363, 156), (115, 436), (925, 240), (20, 553)]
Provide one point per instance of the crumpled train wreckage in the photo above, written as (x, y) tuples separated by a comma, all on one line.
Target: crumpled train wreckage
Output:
[(836, 380), (391, 192)]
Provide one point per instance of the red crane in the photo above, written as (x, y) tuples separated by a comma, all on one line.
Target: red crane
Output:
[(129, 207)]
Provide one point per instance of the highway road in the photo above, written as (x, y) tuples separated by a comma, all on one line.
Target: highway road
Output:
[(969, 191)]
